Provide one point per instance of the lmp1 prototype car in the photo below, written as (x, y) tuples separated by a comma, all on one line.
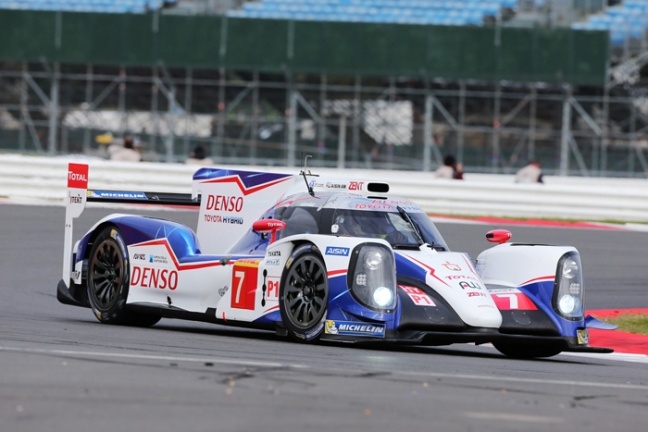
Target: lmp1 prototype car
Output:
[(315, 258)]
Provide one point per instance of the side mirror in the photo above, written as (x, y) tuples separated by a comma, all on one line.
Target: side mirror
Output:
[(498, 236), (265, 226)]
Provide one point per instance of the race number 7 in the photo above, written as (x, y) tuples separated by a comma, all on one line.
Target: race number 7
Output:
[(239, 286), (512, 298), (244, 279)]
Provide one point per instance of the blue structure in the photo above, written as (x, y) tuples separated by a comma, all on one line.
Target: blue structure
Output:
[(625, 22), (440, 12), (101, 6)]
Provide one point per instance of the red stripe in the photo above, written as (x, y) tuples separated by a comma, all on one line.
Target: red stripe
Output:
[(236, 179), (336, 272), (539, 279), (178, 265), (429, 268)]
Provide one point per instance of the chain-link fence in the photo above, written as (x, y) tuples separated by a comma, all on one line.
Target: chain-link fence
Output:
[(270, 119)]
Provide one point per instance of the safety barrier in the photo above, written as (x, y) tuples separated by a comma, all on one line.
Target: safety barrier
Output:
[(43, 180)]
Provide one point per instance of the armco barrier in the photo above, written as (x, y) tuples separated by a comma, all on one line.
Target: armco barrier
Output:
[(43, 180)]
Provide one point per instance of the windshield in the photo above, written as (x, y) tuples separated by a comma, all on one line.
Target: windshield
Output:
[(400, 230)]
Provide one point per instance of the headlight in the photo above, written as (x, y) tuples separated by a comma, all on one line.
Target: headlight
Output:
[(372, 276), (568, 288), (570, 269), (383, 297)]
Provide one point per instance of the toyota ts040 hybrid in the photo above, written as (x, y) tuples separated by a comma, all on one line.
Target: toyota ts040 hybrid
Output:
[(316, 258)]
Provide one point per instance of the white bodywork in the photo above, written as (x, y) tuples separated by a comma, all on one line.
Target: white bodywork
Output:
[(511, 265), (453, 276)]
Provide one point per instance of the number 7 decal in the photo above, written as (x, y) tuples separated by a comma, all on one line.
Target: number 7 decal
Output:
[(513, 301), (244, 281)]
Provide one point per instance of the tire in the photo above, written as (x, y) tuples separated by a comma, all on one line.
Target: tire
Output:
[(528, 350), (108, 281), (303, 294)]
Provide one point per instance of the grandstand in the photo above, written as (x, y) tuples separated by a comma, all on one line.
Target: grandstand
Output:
[(386, 83), (100, 6)]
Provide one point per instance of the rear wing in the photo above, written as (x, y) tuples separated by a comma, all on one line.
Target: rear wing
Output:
[(78, 195)]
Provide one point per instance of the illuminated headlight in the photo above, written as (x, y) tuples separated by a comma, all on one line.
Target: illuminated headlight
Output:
[(567, 304), (568, 290), (383, 297), (372, 276)]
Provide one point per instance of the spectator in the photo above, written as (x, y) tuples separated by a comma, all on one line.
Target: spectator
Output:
[(198, 157), (530, 173), (451, 169), (127, 153)]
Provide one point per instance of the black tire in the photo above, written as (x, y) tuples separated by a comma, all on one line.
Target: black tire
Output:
[(108, 281), (528, 350), (303, 294)]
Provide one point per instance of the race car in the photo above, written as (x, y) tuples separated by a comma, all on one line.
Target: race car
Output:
[(317, 258)]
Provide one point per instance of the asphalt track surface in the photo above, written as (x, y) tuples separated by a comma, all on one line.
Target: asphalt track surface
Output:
[(60, 370)]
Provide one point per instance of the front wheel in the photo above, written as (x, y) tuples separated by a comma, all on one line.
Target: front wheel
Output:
[(108, 281), (528, 350), (303, 294)]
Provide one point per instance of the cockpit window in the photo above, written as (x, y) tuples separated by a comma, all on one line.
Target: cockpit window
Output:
[(390, 226)]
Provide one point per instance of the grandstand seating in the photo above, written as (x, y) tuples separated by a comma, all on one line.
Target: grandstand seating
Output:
[(102, 6), (626, 21), (444, 12)]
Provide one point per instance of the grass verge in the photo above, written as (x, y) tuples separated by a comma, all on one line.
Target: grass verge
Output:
[(631, 323)]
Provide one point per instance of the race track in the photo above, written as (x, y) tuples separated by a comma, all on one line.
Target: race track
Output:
[(63, 371)]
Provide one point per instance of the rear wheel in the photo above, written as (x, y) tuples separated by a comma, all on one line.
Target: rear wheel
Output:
[(528, 350), (303, 295), (108, 281)]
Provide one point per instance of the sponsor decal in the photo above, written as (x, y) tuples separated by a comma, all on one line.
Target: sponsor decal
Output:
[(78, 176), (224, 203), (476, 294), (583, 336), (274, 253), (157, 259), (355, 185), (235, 220), (272, 262), (451, 266), (338, 251), (331, 185), (141, 257), (418, 297), (469, 285), (148, 277), (458, 277), (76, 199), (348, 328), (113, 194)]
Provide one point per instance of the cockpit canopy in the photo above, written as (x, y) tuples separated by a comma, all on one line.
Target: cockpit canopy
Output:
[(397, 220)]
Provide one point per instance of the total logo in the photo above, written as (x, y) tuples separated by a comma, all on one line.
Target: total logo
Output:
[(451, 266), (77, 176)]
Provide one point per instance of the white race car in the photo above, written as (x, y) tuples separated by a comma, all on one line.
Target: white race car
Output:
[(317, 258)]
